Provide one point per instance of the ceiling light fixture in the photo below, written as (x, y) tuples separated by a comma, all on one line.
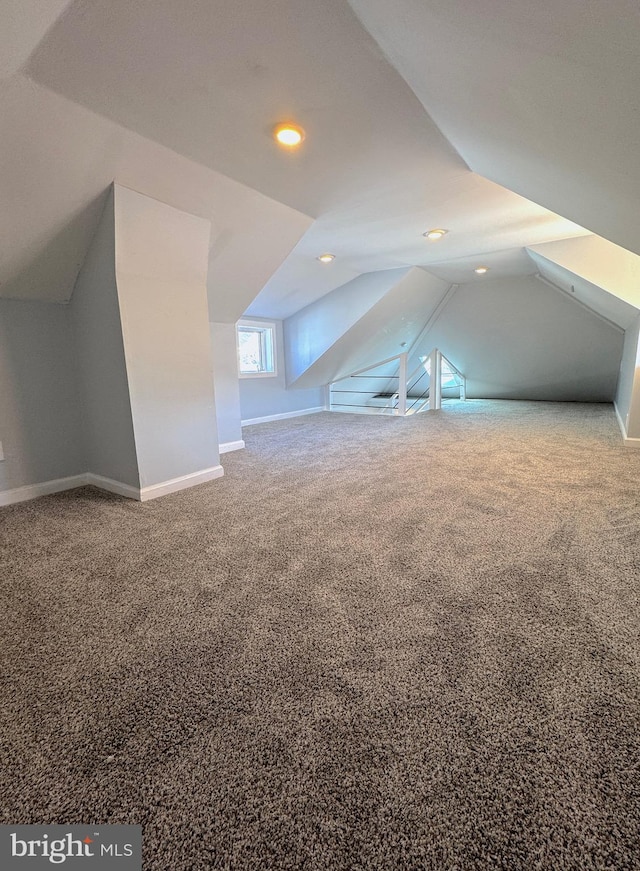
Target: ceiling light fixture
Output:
[(435, 234), (481, 270), (326, 258), (288, 135)]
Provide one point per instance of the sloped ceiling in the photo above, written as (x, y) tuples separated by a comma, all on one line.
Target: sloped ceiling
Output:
[(598, 261), (314, 330), (394, 325), (540, 97), (406, 122), (24, 23), (390, 325), (208, 80), (58, 160), (603, 303), (503, 264), (384, 231)]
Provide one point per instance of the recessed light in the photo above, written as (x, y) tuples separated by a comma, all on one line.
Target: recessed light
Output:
[(435, 234), (326, 258), (481, 270), (288, 135)]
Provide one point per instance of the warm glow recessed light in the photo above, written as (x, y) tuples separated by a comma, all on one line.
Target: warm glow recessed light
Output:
[(435, 234), (288, 135), (481, 270), (326, 258)]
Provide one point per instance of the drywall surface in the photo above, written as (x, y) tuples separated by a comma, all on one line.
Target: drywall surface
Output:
[(59, 159), (264, 396), (102, 372), (313, 330), (600, 301), (40, 413), (225, 381), (509, 89), (628, 390), (388, 328), (520, 339), (161, 273), (600, 262), (250, 238), (24, 24)]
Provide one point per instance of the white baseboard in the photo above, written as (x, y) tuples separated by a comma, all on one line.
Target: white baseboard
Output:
[(623, 429), (112, 486), (225, 447), (182, 483), (32, 491), (283, 416), (628, 442)]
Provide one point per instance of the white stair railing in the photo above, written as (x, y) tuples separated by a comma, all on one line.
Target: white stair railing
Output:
[(385, 388), (376, 389)]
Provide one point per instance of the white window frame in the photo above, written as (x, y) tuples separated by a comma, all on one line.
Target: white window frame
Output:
[(265, 327)]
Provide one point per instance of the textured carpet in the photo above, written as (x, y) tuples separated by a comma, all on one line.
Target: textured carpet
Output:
[(374, 644)]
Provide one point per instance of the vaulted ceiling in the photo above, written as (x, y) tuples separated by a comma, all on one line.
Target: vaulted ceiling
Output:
[(478, 117), (540, 97)]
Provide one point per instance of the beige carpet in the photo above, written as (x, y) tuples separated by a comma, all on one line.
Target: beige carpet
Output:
[(374, 644)]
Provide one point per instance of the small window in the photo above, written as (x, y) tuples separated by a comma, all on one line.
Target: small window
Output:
[(256, 348)]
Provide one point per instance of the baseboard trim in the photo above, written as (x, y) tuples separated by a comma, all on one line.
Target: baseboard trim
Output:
[(628, 442), (225, 447), (45, 488), (632, 443), (144, 494), (112, 486), (284, 416), (620, 421), (182, 483)]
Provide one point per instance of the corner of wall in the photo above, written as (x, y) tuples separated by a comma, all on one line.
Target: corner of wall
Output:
[(628, 442)]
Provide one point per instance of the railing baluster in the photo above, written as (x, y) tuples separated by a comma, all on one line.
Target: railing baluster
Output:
[(400, 401), (402, 386)]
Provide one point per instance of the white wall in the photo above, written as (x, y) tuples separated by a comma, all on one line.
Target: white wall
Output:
[(520, 339), (313, 330), (102, 371), (389, 327), (266, 396), (161, 273), (225, 381), (513, 338), (628, 390), (59, 159), (600, 262), (599, 300), (40, 416)]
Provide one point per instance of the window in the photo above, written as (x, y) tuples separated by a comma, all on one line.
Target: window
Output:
[(256, 348)]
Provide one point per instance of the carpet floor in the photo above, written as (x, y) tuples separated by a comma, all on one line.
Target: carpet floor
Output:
[(376, 643)]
